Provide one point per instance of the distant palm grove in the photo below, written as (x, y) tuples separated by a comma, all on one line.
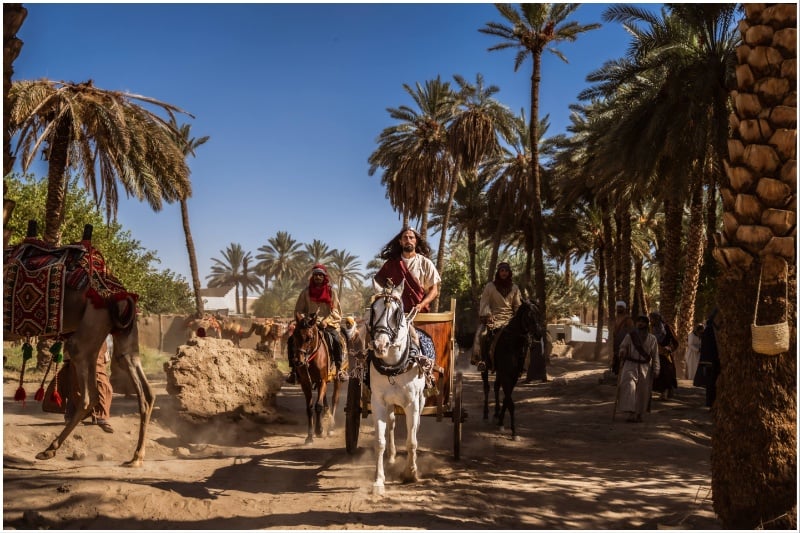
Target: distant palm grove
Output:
[(674, 187)]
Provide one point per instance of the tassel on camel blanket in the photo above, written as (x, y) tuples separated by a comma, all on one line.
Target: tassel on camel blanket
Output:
[(27, 353), (55, 352), (58, 357)]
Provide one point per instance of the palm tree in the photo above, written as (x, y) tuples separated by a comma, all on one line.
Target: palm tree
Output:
[(533, 29), (13, 17), (77, 125), (413, 153), (315, 253), (280, 258), (344, 269), (472, 136), (754, 479), (232, 271), (672, 82), (189, 144)]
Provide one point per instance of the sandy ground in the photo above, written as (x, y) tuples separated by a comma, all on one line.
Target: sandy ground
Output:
[(572, 468)]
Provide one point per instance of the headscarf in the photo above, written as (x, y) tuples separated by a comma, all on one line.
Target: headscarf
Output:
[(658, 327), (503, 286), (319, 293)]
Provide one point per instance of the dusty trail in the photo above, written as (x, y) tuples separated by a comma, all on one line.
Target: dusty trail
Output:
[(571, 469)]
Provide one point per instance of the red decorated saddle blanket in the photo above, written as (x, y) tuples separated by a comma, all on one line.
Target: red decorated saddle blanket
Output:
[(35, 276)]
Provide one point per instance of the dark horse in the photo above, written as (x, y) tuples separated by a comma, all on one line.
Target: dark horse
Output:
[(512, 344), (313, 364)]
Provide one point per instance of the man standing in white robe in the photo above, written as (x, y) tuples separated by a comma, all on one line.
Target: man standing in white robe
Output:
[(640, 366)]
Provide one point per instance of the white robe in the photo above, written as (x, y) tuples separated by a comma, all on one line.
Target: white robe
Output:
[(636, 379), (692, 355)]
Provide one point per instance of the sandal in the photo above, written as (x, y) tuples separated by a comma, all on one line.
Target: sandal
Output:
[(105, 426)]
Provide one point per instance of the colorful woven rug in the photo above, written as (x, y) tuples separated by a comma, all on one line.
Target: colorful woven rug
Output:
[(32, 299)]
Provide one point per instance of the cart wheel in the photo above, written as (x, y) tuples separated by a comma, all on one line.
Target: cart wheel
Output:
[(352, 415), (457, 415)]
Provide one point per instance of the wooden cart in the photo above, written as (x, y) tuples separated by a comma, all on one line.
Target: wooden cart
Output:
[(449, 384)]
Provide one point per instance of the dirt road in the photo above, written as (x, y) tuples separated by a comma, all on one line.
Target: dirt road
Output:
[(572, 468)]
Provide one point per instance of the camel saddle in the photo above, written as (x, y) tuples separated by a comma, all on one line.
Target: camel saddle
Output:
[(35, 275)]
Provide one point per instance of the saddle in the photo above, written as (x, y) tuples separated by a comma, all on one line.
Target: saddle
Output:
[(35, 275)]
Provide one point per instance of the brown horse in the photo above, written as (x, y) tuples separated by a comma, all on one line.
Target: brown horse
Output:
[(314, 371), (93, 305)]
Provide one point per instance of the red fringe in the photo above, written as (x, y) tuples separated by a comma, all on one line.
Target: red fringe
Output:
[(39, 394), (20, 395), (56, 398)]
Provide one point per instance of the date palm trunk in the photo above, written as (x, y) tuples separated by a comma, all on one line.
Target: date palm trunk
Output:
[(187, 231), (754, 452), (693, 260)]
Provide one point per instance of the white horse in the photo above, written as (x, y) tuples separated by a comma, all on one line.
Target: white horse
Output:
[(395, 379)]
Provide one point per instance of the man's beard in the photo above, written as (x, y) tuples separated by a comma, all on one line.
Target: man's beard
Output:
[(408, 248)]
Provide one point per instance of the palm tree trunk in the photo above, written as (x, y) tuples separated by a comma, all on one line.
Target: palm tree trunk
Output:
[(601, 289), (443, 237), (13, 17), (497, 239), (754, 457), (639, 306), (472, 250), (673, 229), (608, 256), (56, 184), (187, 231), (536, 184), (695, 245), (625, 249), (244, 286)]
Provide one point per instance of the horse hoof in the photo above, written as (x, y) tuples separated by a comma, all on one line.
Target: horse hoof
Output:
[(309, 439), (410, 478), (378, 490), (47, 454), (133, 463), (515, 437)]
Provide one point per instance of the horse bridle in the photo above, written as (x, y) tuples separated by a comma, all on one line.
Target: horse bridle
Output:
[(304, 353), (399, 316)]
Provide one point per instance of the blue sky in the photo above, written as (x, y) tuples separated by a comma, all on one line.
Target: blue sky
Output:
[(293, 97)]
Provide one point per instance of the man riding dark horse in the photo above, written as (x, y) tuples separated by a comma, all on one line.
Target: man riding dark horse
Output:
[(320, 298)]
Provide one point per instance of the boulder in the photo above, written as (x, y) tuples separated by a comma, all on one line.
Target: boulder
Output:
[(210, 377)]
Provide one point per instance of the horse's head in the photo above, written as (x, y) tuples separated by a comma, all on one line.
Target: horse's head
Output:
[(530, 319), (387, 326), (305, 333)]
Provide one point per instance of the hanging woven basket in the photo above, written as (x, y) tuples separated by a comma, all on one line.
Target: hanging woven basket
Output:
[(769, 339)]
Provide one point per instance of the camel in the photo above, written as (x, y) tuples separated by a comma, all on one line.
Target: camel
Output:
[(93, 305), (269, 332), (209, 324)]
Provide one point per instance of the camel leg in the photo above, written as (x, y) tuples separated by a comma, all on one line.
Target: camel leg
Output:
[(379, 413), (82, 347), (126, 348)]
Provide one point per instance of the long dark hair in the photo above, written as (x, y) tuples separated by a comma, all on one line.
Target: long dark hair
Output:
[(393, 249)]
